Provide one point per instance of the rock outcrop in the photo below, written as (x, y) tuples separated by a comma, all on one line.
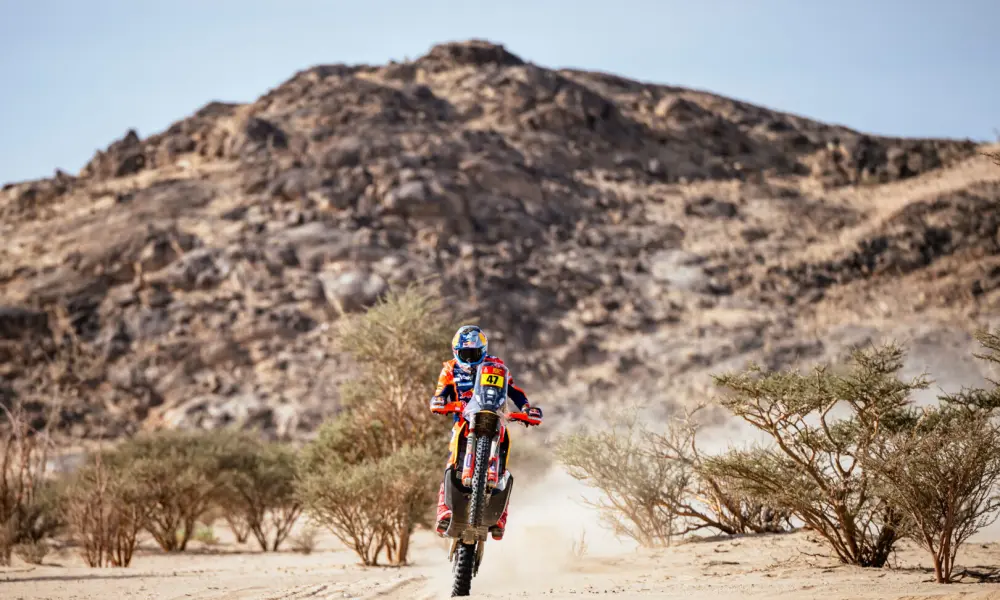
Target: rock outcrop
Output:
[(604, 230)]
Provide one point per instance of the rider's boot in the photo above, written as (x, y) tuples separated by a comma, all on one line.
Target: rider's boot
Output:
[(443, 514), (498, 529)]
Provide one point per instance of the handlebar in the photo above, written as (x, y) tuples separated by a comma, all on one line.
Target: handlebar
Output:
[(522, 417)]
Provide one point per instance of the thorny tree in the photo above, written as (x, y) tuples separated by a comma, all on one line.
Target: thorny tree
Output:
[(943, 476), (943, 470), (709, 501), (814, 466)]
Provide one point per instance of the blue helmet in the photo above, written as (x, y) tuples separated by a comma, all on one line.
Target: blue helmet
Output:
[(469, 346)]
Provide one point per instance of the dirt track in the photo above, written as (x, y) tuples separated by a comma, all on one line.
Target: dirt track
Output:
[(535, 561)]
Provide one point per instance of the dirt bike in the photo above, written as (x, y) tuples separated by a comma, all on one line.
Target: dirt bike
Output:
[(478, 494)]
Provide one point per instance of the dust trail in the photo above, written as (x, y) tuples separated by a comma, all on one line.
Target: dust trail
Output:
[(546, 520)]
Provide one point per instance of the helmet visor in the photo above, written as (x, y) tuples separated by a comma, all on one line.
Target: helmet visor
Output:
[(470, 355)]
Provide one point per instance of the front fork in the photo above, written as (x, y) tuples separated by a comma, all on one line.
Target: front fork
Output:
[(469, 465)]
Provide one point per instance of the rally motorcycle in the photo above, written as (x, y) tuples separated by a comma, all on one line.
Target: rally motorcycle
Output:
[(478, 491)]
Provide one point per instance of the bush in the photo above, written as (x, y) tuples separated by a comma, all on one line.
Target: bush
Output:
[(371, 474), (943, 472), (259, 490), (179, 475), (943, 478), (29, 506), (350, 500), (813, 469), (106, 508), (32, 553), (638, 486), (374, 504), (397, 344), (304, 542), (655, 486)]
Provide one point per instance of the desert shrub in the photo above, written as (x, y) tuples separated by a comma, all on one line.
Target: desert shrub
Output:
[(350, 500), (304, 542), (943, 472), (942, 475), (371, 504), (32, 553), (237, 522), (814, 466), (29, 507), (259, 489), (106, 508), (638, 487), (709, 501), (371, 474), (398, 345), (654, 485), (180, 474)]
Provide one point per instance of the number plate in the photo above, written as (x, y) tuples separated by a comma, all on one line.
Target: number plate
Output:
[(491, 380)]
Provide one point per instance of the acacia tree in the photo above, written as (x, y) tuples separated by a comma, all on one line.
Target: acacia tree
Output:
[(813, 468), (943, 472), (942, 475)]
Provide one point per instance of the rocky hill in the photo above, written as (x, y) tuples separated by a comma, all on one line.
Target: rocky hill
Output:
[(615, 237)]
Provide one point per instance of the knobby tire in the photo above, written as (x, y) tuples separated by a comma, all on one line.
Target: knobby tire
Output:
[(465, 558)]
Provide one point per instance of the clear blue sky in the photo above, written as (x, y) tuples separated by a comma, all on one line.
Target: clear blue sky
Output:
[(76, 74)]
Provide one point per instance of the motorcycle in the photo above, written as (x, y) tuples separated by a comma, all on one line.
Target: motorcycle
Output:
[(478, 493)]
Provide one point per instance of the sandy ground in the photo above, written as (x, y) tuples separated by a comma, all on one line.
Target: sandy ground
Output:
[(536, 560)]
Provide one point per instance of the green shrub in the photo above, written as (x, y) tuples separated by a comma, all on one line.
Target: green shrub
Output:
[(179, 474), (259, 489)]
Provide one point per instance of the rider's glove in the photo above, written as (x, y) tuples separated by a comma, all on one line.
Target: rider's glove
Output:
[(533, 411), (438, 403)]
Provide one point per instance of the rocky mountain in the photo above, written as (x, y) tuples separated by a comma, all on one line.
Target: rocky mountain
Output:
[(617, 238)]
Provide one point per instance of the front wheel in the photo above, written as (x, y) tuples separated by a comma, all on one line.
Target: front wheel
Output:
[(466, 555), (465, 564)]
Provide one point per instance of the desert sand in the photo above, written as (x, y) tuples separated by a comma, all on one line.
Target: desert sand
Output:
[(536, 560)]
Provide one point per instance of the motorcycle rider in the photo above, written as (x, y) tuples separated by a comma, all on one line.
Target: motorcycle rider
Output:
[(456, 382)]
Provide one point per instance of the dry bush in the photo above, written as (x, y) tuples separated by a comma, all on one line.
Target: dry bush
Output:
[(32, 553), (259, 490), (304, 542), (943, 476), (238, 524), (370, 504), (813, 468), (943, 472), (638, 486), (29, 507), (106, 509), (371, 474), (350, 500), (655, 486), (709, 501), (180, 474)]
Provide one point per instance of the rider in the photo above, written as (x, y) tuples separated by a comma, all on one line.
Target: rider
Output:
[(456, 382)]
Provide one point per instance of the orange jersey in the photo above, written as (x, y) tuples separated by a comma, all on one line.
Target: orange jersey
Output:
[(455, 383)]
